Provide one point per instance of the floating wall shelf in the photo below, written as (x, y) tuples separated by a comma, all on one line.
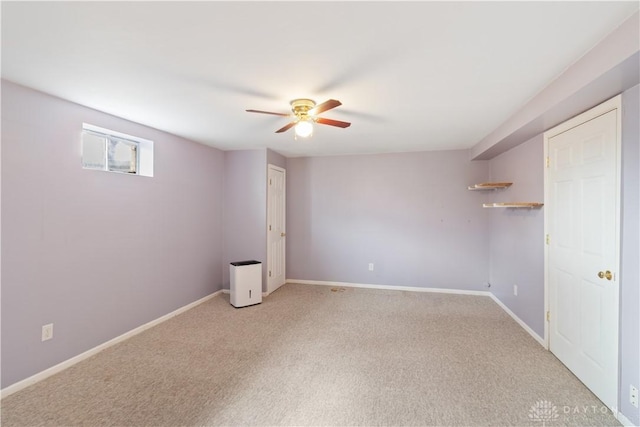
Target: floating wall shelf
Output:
[(485, 186), (489, 186), (527, 205)]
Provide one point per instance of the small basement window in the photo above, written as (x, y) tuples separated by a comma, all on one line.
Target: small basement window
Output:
[(106, 150)]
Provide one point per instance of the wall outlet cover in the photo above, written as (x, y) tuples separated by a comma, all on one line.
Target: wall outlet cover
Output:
[(47, 332)]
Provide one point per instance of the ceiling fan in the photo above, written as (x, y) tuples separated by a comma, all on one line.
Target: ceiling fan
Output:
[(305, 113)]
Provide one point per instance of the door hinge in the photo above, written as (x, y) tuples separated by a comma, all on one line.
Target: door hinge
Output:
[(269, 273), (269, 227), (270, 181), (547, 239), (548, 315), (548, 161)]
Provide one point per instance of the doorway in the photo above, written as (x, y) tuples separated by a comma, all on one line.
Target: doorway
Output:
[(276, 228)]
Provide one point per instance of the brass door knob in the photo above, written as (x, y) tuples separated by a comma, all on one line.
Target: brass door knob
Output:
[(605, 275), (283, 234)]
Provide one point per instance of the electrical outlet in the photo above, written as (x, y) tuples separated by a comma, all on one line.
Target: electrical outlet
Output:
[(47, 332), (370, 266), (515, 290), (633, 395)]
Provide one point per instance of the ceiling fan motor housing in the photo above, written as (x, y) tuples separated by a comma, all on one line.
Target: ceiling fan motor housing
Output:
[(301, 107)]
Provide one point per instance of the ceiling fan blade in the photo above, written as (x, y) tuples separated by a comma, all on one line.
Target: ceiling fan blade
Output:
[(286, 128), (330, 122), (327, 105), (268, 112)]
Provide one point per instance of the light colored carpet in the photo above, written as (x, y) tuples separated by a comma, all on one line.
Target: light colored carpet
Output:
[(311, 356)]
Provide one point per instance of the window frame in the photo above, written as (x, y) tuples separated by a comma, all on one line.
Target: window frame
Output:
[(143, 150)]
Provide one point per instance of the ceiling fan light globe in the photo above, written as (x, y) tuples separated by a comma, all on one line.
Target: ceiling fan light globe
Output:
[(304, 129)]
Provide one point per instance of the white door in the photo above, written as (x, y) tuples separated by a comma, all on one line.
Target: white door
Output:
[(581, 215), (276, 232)]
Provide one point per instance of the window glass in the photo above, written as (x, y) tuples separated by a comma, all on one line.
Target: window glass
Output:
[(93, 151), (122, 156)]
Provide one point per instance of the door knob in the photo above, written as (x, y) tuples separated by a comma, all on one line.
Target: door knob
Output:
[(283, 234), (605, 274)]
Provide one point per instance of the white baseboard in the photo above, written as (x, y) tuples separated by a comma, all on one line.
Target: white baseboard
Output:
[(389, 288), (624, 420), (82, 356), (418, 289), (520, 322)]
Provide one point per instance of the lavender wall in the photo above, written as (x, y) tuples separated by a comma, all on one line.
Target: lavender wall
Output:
[(245, 208), (96, 253), (276, 159), (410, 214), (516, 244), (630, 254)]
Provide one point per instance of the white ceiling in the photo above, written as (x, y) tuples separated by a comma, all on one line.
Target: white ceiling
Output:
[(411, 76)]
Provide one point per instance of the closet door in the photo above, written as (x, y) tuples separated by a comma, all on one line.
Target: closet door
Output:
[(582, 222), (276, 228)]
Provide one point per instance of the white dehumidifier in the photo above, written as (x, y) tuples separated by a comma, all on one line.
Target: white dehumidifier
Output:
[(246, 283)]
